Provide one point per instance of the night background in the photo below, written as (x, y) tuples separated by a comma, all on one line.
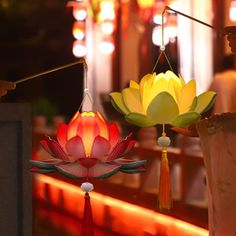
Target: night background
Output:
[(36, 36)]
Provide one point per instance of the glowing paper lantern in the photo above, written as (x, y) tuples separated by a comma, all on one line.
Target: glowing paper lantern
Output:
[(156, 36), (78, 30), (146, 3), (107, 47), (79, 49), (88, 147), (107, 10), (232, 10), (107, 27), (79, 13), (162, 99)]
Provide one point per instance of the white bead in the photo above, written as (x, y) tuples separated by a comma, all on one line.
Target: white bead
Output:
[(164, 141), (162, 48), (87, 187), (86, 90)]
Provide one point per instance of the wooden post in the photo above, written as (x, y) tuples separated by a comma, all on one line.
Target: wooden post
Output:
[(15, 176), (218, 140)]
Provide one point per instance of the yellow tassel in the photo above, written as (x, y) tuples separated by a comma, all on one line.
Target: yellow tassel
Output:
[(165, 200)]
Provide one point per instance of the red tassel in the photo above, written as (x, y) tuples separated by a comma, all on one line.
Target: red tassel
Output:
[(165, 200), (87, 224)]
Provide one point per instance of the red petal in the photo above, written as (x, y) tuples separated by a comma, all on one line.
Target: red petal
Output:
[(113, 135), (103, 170), (102, 124), (100, 148), (88, 162), (75, 147), (120, 149), (45, 146), (130, 146), (56, 149), (62, 135), (73, 170), (73, 125)]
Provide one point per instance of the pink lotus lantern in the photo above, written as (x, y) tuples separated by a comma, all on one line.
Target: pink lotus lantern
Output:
[(88, 147)]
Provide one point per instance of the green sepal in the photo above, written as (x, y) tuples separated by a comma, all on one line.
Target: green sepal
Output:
[(139, 119), (186, 119), (163, 109)]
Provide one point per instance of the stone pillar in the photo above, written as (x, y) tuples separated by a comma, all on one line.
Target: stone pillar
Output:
[(15, 176)]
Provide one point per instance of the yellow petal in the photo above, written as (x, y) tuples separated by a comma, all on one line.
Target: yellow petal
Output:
[(132, 100), (175, 84), (205, 101), (139, 120), (186, 119), (118, 103), (163, 109), (172, 76), (133, 84), (146, 85), (187, 95), (181, 80)]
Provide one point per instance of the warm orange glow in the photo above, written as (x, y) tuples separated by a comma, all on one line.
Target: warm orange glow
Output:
[(78, 30), (102, 126), (146, 3), (72, 128), (88, 114), (121, 212)]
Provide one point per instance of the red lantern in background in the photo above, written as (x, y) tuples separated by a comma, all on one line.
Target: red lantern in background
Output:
[(79, 30), (80, 10)]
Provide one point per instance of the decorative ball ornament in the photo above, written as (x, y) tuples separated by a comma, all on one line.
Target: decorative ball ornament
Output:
[(87, 187), (164, 141)]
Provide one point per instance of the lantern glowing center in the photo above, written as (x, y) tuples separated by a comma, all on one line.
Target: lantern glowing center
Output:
[(89, 125)]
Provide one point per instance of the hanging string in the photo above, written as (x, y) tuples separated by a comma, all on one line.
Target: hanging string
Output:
[(163, 128), (162, 48), (86, 93), (162, 30), (156, 62)]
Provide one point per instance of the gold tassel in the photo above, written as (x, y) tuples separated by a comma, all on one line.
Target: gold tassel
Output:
[(165, 199)]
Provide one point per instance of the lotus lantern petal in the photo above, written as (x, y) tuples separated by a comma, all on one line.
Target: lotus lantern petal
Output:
[(88, 147), (164, 98)]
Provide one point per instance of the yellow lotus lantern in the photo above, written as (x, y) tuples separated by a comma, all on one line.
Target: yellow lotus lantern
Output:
[(164, 98)]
